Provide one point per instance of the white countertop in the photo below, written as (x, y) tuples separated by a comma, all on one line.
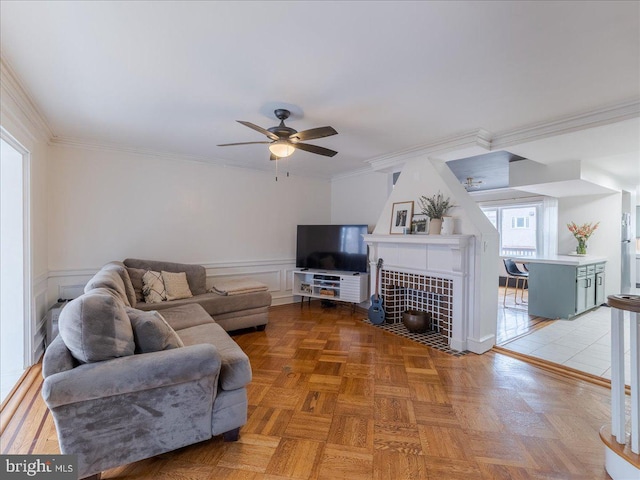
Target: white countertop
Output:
[(576, 260)]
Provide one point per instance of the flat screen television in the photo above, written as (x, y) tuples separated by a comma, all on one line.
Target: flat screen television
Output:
[(332, 247)]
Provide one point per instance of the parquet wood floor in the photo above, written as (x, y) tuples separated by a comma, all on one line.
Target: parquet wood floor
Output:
[(334, 398)]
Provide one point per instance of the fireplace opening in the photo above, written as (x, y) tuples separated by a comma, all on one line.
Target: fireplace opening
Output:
[(409, 291)]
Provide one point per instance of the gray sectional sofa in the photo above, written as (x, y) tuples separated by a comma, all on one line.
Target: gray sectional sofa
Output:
[(124, 383), (232, 312)]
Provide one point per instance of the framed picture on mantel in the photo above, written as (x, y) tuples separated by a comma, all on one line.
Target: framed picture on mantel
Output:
[(401, 217), (419, 224)]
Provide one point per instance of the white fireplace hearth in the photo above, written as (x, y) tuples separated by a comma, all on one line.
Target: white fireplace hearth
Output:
[(433, 273)]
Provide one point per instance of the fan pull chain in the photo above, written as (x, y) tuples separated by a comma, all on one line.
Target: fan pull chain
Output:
[(277, 158)]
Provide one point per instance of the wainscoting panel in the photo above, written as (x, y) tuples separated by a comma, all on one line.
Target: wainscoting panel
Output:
[(68, 284), (288, 280), (39, 306), (276, 274)]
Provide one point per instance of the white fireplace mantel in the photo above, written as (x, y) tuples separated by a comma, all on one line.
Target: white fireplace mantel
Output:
[(433, 254), (459, 240), (446, 256)]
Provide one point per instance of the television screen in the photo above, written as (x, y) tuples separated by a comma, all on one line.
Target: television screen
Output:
[(332, 247)]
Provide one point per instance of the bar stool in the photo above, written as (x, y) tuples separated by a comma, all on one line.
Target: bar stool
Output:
[(619, 304), (514, 272)]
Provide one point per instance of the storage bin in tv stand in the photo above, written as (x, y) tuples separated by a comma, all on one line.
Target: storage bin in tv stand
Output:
[(348, 287)]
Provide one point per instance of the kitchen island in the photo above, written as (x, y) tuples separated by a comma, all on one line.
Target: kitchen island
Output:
[(563, 286)]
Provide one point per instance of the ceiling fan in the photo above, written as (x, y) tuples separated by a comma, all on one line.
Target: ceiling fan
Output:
[(471, 183), (285, 140)]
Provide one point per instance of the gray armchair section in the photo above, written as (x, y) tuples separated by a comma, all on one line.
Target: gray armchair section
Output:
[(112, 406), (120, 411)]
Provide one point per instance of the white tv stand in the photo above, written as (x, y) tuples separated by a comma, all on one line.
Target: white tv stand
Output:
[(331, 285)]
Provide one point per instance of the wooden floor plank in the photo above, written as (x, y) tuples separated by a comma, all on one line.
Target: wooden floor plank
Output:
[(333, 397)]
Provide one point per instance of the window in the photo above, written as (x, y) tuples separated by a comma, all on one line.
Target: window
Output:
[(519, 226), (519, 222)]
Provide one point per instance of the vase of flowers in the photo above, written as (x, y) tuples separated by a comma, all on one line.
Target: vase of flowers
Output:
[(582, 234), (435, 208)]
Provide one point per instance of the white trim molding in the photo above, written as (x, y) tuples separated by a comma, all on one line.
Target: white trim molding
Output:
[(484, 140), (275, 273), (12, 88), (477, 138), (594, 118), (105, 146)]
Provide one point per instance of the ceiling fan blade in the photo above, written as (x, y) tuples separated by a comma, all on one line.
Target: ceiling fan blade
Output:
[(315, 149), (313, 133), (241, 143), (272, 157), (263, 131)]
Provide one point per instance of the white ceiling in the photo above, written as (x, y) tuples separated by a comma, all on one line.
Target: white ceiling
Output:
[(173, 77)]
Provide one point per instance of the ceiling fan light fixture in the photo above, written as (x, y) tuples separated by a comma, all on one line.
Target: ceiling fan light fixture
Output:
[(471, 183), (285, 140), (281, 148)]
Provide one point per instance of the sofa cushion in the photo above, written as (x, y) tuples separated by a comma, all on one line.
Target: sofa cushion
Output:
[(95, 327), (196, 274), (176, 285), (110, 279), (215, 304), (153, 287), (235, 371), (121, 270), (151, 332), (185, 316), (136, 274)]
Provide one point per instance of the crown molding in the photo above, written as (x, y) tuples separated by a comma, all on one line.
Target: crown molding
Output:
[(484, 139), (89, 144), (353, 173), (37, 125), (97, 145), (477, 138), (594, 118)]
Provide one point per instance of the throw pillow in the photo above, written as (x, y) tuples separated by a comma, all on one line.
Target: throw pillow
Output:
[(151, 332), (176, 285), (153, 287), (135, 274), (95, 327)]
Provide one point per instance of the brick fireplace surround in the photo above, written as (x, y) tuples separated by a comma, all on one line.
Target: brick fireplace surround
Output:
[(411, 291)]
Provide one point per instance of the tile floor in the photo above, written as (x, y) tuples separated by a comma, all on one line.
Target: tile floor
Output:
[(582, 343)]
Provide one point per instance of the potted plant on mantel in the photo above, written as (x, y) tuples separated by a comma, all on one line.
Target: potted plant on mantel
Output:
[(435, 208)]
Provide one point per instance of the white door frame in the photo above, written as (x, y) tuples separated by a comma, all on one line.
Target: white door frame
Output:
[(27, 307)]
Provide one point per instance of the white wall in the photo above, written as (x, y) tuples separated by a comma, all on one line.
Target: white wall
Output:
[(605, 242), (359, 198), (107, 205)]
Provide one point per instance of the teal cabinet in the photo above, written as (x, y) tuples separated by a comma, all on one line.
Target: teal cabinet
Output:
[(564, 291)]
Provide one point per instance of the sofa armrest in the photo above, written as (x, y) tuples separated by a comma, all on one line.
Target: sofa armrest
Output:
[(57, 358), (131, 374)]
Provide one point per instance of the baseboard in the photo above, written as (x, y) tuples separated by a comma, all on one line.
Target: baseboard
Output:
[(482, 345)]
